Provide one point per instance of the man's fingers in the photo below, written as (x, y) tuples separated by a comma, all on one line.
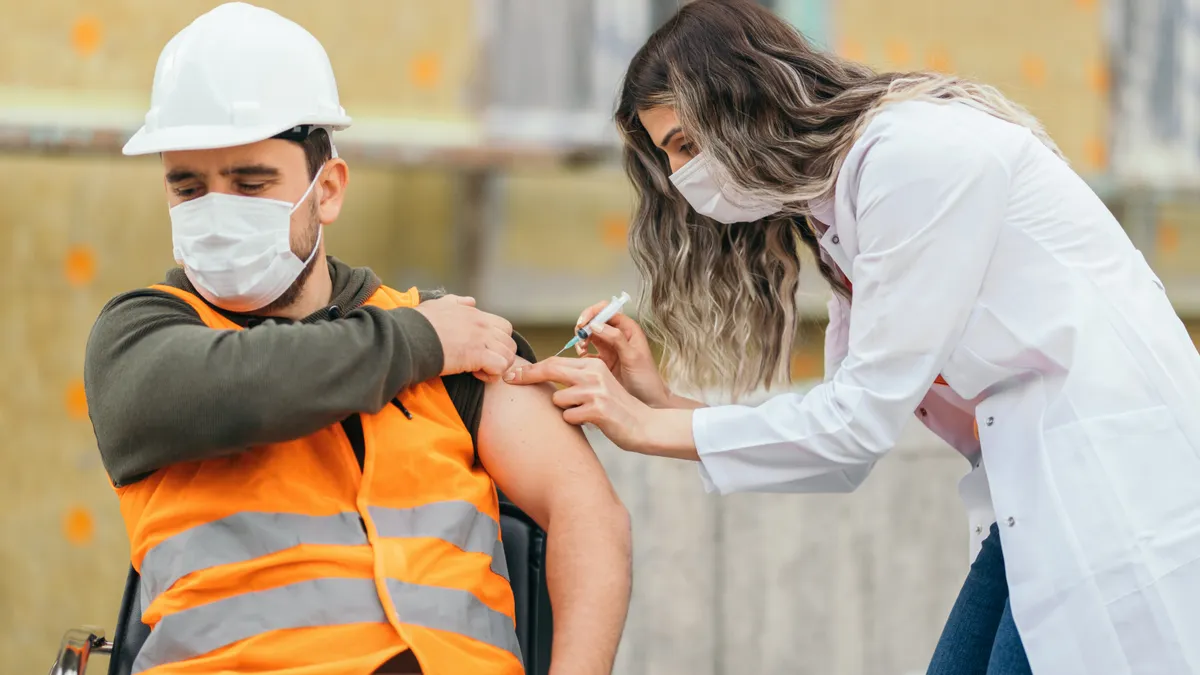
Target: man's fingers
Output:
[(509, 359), (500, 353), (503, 341), (498, 323), (462, 299), (494, 364)]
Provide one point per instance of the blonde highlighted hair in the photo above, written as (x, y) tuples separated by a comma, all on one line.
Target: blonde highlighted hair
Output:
[(779, 117)]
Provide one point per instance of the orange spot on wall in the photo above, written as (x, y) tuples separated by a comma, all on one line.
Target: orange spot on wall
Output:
[(853, 50), (80, 265), (1168, 237), (426, 70), (78, 525), (86, 35), (898, 54), (1099, 78), (806, 366), (76, 400), (614, 230), (1095, 153), (938, 60), (1033, 69)]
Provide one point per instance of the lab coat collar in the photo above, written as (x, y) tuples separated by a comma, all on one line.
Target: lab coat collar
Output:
[(822, 212), (831, 245)]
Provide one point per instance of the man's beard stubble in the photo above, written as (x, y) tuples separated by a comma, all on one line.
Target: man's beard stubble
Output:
[(307, 247)]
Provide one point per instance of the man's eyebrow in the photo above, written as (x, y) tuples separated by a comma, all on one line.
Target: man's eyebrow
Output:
[(256, 170), (181, 175)]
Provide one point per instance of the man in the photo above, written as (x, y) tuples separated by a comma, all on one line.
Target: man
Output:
[(302, 492)]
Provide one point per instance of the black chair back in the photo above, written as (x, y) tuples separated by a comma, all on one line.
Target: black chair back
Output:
[(525, 552), (131, 633)]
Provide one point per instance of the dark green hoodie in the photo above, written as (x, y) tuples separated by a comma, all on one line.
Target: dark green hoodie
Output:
[(162, 387)]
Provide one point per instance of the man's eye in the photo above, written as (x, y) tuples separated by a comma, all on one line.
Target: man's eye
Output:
[(688, 148), (184, 193), (251, 187)]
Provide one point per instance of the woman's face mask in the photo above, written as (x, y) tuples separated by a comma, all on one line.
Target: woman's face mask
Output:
[(726, 204), (236, 250)]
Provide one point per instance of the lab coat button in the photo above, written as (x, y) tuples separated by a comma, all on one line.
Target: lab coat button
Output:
[(836, 239), (990, 420), (978, 529), (1011, 521), (924, 412)]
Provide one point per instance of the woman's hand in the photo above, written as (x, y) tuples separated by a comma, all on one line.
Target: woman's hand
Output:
[(592, 395), (623, 348)]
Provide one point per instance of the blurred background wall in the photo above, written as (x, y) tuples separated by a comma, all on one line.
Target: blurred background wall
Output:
[(482, 161)]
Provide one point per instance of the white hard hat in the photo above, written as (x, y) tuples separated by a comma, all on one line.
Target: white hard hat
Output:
[(237, 75)]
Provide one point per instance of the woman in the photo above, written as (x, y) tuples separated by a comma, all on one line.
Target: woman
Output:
[(978, 283)]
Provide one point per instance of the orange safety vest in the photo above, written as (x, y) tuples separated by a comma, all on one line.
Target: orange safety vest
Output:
[(288, 558)]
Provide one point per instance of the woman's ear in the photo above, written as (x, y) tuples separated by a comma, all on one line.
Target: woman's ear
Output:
[(333, 181)]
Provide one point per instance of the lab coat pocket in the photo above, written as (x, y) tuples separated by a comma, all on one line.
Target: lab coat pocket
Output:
[(1151, 466), (984, 356)]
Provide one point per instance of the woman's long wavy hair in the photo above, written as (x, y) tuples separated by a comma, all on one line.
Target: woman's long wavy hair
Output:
[(779, 117)]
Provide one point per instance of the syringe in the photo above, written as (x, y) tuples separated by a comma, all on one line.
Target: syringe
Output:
[(610, 310)]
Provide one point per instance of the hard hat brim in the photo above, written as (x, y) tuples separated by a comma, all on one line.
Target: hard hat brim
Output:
[(174, 139)]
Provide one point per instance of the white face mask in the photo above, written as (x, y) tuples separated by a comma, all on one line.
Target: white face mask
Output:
[(696, 182), (236, 250)]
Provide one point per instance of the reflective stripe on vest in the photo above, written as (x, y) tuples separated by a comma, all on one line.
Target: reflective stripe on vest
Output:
[(321, 602), (253, 534)]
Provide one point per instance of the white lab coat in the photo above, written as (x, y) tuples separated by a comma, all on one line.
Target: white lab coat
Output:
[(977, 254)]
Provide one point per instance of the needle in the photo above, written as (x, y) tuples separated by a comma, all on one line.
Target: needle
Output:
[(574, 341), (605, 314)]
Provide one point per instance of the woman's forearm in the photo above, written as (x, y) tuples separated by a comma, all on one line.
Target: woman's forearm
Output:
[(677, 401), (668, 433)]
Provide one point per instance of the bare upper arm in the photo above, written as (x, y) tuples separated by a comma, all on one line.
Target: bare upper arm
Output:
[(533, 455)]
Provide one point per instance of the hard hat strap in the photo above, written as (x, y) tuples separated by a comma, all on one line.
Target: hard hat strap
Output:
[(298, 134)]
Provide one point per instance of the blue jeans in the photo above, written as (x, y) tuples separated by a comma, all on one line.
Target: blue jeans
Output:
[(980, 637)]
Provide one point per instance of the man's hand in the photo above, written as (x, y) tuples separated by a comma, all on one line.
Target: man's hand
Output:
[(473, 341)]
